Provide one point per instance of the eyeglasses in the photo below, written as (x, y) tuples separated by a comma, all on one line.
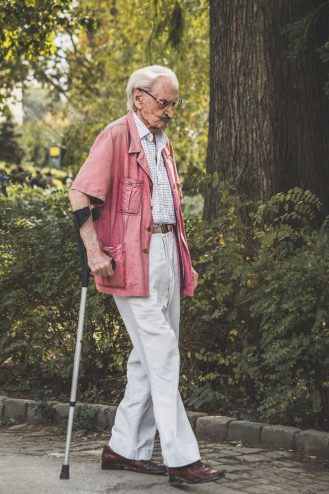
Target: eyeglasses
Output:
[(163, 103)]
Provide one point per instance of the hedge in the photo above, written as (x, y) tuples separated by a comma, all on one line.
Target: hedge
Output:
[(254, 338)]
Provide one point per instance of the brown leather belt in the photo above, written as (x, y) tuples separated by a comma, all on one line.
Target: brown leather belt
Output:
[(163, 228)]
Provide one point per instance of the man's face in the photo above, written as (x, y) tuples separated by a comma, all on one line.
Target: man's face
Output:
[(149, 110)]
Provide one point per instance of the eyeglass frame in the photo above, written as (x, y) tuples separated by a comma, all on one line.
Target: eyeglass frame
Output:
[(163, 103)]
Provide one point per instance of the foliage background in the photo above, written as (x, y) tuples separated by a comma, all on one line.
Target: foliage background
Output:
[(255, 336)]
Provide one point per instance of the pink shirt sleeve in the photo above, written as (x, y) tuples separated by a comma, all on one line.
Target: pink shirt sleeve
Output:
[(94, 177)]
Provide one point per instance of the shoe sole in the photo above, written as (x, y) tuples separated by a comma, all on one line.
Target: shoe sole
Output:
[(120, 466), (177, 481)]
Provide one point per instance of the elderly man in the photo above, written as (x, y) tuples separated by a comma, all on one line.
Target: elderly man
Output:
[(131, 176)]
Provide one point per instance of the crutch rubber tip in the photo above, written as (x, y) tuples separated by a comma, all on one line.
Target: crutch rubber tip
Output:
[(65, 473)]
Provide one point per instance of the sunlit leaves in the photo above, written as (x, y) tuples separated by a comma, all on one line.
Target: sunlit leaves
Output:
[(28, 29), (134, 36)]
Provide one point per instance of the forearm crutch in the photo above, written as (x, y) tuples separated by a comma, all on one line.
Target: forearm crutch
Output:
[(80, 217)]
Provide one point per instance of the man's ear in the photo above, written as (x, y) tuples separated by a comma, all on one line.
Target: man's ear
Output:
[(137, 98)]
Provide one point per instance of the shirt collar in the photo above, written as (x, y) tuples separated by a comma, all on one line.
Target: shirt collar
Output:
[(143, 131)]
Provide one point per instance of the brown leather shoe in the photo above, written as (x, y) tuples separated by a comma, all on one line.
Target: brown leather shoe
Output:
[(114, 461), (196, 473)]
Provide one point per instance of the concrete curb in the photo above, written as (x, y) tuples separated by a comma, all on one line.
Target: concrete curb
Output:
[(213, 428)]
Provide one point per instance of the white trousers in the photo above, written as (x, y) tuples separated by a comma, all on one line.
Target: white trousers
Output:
[(152, 399)]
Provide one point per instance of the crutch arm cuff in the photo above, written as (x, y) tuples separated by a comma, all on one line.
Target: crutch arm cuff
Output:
[(81, 216)]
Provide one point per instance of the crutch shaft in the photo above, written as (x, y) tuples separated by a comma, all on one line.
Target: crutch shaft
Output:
[(80, 217), (74, 385)]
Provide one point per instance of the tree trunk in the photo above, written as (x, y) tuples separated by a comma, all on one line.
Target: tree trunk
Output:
[(269, 116)]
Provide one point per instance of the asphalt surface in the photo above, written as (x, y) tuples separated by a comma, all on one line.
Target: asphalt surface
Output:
[(31, 458)]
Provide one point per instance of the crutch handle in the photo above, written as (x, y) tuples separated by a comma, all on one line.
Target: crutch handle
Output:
[(85, 269), (80, 217)]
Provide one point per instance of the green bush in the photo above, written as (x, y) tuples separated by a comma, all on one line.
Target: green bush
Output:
[(288, 300), (40, 296), (254, 338), (256, 333)]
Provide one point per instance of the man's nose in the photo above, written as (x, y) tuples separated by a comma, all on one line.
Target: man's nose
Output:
[(169, 111)]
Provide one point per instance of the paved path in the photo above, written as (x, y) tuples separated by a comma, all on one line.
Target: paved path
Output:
[(31, 458)]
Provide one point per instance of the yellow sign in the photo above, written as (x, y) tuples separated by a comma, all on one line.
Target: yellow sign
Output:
[(54, 152)]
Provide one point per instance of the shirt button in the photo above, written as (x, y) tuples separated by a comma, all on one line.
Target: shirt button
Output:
[(148, 228), (146, 251)]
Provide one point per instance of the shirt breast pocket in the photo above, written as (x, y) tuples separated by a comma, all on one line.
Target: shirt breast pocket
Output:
[(130, 195)]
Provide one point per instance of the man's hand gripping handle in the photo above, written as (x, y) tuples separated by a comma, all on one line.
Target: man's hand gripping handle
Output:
[(80, 217)]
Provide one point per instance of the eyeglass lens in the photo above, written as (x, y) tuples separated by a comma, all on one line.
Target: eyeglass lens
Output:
[(163, 102)]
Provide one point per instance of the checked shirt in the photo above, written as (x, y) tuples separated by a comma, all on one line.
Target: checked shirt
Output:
[(162, 199)]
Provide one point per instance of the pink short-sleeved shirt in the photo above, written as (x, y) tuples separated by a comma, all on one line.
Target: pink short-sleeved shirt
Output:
[(117, 178)]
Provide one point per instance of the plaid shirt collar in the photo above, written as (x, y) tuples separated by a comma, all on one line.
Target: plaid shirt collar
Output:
[(143, 131)]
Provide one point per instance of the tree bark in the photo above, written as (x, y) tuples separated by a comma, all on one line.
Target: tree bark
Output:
[(269, 116)]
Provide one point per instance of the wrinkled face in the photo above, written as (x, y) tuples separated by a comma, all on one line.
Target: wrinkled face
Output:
[(149, 110)]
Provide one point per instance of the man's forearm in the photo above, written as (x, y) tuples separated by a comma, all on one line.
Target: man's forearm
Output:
[(87, 231), (98, 262)]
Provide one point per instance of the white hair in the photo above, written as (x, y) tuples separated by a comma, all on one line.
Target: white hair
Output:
[(145, 78)]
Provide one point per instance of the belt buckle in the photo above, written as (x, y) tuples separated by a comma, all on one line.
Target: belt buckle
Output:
[(164, 228)]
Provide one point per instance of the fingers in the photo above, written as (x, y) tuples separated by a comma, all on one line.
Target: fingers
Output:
[(110, 271), (101, 267)]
